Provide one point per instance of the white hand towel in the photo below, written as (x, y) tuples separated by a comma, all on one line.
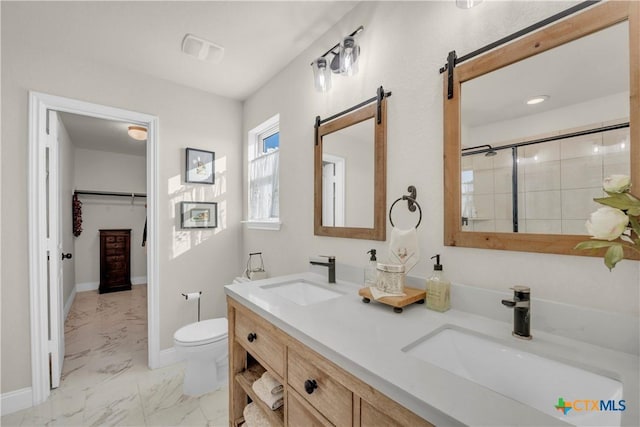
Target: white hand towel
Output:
[(253, 417), (273, 401), (271, 383), (403, 248), (377, 293)]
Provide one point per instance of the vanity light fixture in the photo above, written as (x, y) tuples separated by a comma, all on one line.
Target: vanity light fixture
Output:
[(537, 99), (137, 132), (344, 61), (321, 74), (467, 4)]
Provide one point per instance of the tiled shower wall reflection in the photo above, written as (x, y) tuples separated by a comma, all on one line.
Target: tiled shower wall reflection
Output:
[(556, 183)]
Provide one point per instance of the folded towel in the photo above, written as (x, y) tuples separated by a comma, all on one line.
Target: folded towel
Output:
[(273, 401), (377, 293), (271, 383), (253, 417), (403, 248)]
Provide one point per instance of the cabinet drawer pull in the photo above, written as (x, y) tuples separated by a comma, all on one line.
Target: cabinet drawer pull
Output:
[(310, 385), (252, 336)]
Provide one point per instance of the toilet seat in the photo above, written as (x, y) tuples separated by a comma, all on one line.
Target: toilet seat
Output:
[(201, 333)]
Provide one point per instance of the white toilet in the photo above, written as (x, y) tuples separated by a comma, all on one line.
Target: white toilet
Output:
[(204, 346)]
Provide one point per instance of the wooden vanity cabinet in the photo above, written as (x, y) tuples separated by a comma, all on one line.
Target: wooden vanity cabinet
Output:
[(317, 393)]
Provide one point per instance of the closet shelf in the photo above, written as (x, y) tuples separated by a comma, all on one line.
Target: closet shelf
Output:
[(245, 379)]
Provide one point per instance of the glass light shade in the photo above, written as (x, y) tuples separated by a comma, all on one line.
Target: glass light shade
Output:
[(321, 75), (137, 132), (349, 53)]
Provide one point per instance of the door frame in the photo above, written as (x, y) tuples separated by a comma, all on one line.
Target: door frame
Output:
[(39, 103)]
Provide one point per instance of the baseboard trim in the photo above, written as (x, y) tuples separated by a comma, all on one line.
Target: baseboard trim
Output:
[(139, 280), (69, 302), (87, 286), (168, 357), (16, 400), (93, 286)]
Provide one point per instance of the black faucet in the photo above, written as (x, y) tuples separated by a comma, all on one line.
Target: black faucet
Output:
[(331, 264), (521, 305)]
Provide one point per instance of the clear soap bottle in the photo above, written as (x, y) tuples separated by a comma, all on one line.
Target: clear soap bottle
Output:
[(370, 270), (438, 289)]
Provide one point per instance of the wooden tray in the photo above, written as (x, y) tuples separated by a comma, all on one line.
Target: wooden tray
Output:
[(413, 295)]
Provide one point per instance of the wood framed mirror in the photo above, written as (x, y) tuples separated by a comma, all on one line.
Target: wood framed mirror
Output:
[(350, 172), (521, 230)]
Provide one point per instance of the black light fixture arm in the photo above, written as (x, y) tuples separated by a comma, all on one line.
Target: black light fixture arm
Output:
[(337, 45)]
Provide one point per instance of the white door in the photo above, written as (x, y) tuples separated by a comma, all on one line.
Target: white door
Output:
[(54, 251), (333, 185)]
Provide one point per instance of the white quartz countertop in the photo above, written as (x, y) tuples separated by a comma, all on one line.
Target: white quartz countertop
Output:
[(367, 340)]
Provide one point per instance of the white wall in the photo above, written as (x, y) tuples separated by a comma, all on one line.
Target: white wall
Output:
[(103, 171), (188, 260), (403, 46)]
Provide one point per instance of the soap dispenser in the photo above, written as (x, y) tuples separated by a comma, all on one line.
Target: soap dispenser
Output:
[(438, 288), (370, 270)]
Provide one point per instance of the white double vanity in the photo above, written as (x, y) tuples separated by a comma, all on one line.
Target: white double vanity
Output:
[(343, 362)]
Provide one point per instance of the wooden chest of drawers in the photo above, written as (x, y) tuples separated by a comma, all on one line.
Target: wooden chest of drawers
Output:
[(115, 255)]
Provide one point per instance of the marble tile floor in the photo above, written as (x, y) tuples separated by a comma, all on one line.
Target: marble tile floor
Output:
[(105, 378)]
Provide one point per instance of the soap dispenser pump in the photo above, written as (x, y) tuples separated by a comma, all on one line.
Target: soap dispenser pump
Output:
[(438, 288), (370, 270)]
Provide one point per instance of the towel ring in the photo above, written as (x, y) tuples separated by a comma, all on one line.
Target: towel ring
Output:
[(409, 199)]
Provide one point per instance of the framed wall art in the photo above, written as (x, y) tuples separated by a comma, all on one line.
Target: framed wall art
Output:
[(200, 166), (198, 214)]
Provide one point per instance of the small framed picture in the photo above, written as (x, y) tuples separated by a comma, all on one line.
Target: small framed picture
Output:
[(199, 214), (200, 166)]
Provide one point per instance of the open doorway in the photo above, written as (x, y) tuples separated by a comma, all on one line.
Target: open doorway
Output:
[(102, 181), (49, 185)]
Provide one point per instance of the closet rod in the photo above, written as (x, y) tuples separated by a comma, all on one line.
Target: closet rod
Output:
[(108, 193)]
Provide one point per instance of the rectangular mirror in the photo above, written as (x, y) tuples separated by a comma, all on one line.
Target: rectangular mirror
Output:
[(522, 176), (350, 175)]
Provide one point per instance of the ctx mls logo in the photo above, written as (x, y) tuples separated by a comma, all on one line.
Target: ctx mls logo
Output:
[(563, 406), (583, 405)]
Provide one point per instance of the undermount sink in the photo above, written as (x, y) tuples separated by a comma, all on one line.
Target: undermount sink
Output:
[(303, 292), (536, 381)]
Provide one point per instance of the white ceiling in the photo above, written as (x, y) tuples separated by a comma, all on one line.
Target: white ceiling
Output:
[(585, 69), (260, 38), (99, 134)]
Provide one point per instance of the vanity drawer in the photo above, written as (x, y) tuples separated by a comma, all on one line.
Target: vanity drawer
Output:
[(388, 413), (261, 340), (300, 413), (308, 375)]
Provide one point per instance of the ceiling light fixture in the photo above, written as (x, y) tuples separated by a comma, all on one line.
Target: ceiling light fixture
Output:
[(467, 4), (202, 49), (537, 99), (137, 132), (344, 61)]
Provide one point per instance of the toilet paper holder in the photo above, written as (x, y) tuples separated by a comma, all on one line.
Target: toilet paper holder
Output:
[(194, 295)]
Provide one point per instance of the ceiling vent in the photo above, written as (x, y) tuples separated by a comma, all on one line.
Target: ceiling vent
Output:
[(202, 49)]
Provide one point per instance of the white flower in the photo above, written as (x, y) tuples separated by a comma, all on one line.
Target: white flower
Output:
[(616, 183), (607, 223)]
